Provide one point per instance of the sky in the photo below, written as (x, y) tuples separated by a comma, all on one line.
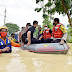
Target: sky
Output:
[(21, 12)]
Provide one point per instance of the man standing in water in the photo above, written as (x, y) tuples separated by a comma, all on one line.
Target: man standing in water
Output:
[(59, 32), (28, 37)]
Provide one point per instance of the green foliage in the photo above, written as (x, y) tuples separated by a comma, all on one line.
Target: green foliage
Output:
[(69, 31), (51, 11), (60, 6), (68, 25), (36, 32), (47, 8), (38, 9), (69, 39), (37, 1), (49, 4), (45, 15), (12, 27), (47, 22)]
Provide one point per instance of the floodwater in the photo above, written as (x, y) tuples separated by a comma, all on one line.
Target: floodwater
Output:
[(24, 61)]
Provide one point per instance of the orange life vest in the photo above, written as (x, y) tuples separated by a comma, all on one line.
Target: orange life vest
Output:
[(56, 32), (46, 34)]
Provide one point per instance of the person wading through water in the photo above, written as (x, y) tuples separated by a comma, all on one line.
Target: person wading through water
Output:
[(5, 42)]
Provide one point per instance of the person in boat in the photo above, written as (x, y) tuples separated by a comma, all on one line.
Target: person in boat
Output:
[(40, 33), (46, 35), (23, 30), (5, 42), (13, 37), (28, 25), (59, 32), (27, 38)]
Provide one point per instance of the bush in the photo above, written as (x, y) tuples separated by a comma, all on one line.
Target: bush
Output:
[(69, 39)]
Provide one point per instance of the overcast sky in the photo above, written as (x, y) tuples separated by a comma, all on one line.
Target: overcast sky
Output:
[(22, 11)]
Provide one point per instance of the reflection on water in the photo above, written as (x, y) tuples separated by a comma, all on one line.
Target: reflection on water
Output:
[(15, 66), (69, 60), (24, 61)]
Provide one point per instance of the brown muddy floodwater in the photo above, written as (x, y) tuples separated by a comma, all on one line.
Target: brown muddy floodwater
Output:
[(24, 61)]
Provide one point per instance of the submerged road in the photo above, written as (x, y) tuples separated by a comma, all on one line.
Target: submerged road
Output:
[(24, 61)]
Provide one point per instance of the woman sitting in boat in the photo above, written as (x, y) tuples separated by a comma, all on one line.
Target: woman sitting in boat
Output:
[(59, 32), (5, 42)]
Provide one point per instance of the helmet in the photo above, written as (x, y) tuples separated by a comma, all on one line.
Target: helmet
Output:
[(3, 27)]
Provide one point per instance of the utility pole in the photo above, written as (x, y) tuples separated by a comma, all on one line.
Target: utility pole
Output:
[(5, 16)]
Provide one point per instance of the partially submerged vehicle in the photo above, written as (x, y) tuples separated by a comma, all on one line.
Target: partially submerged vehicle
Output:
[(50, 48)]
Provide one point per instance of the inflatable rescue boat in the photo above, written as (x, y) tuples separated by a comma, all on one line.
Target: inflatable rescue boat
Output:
[(50, 48)]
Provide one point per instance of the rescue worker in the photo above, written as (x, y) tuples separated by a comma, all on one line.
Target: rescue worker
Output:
[(46, 35), (47, 32), (40, 33), (59, 32), (5, 49), (13, 37), (5, 42), (28, 37)]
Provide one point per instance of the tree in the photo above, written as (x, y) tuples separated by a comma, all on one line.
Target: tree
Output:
[(69, 31), (63, 7), (47, 22), (12, 27), (36, 31), (46, 8)]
